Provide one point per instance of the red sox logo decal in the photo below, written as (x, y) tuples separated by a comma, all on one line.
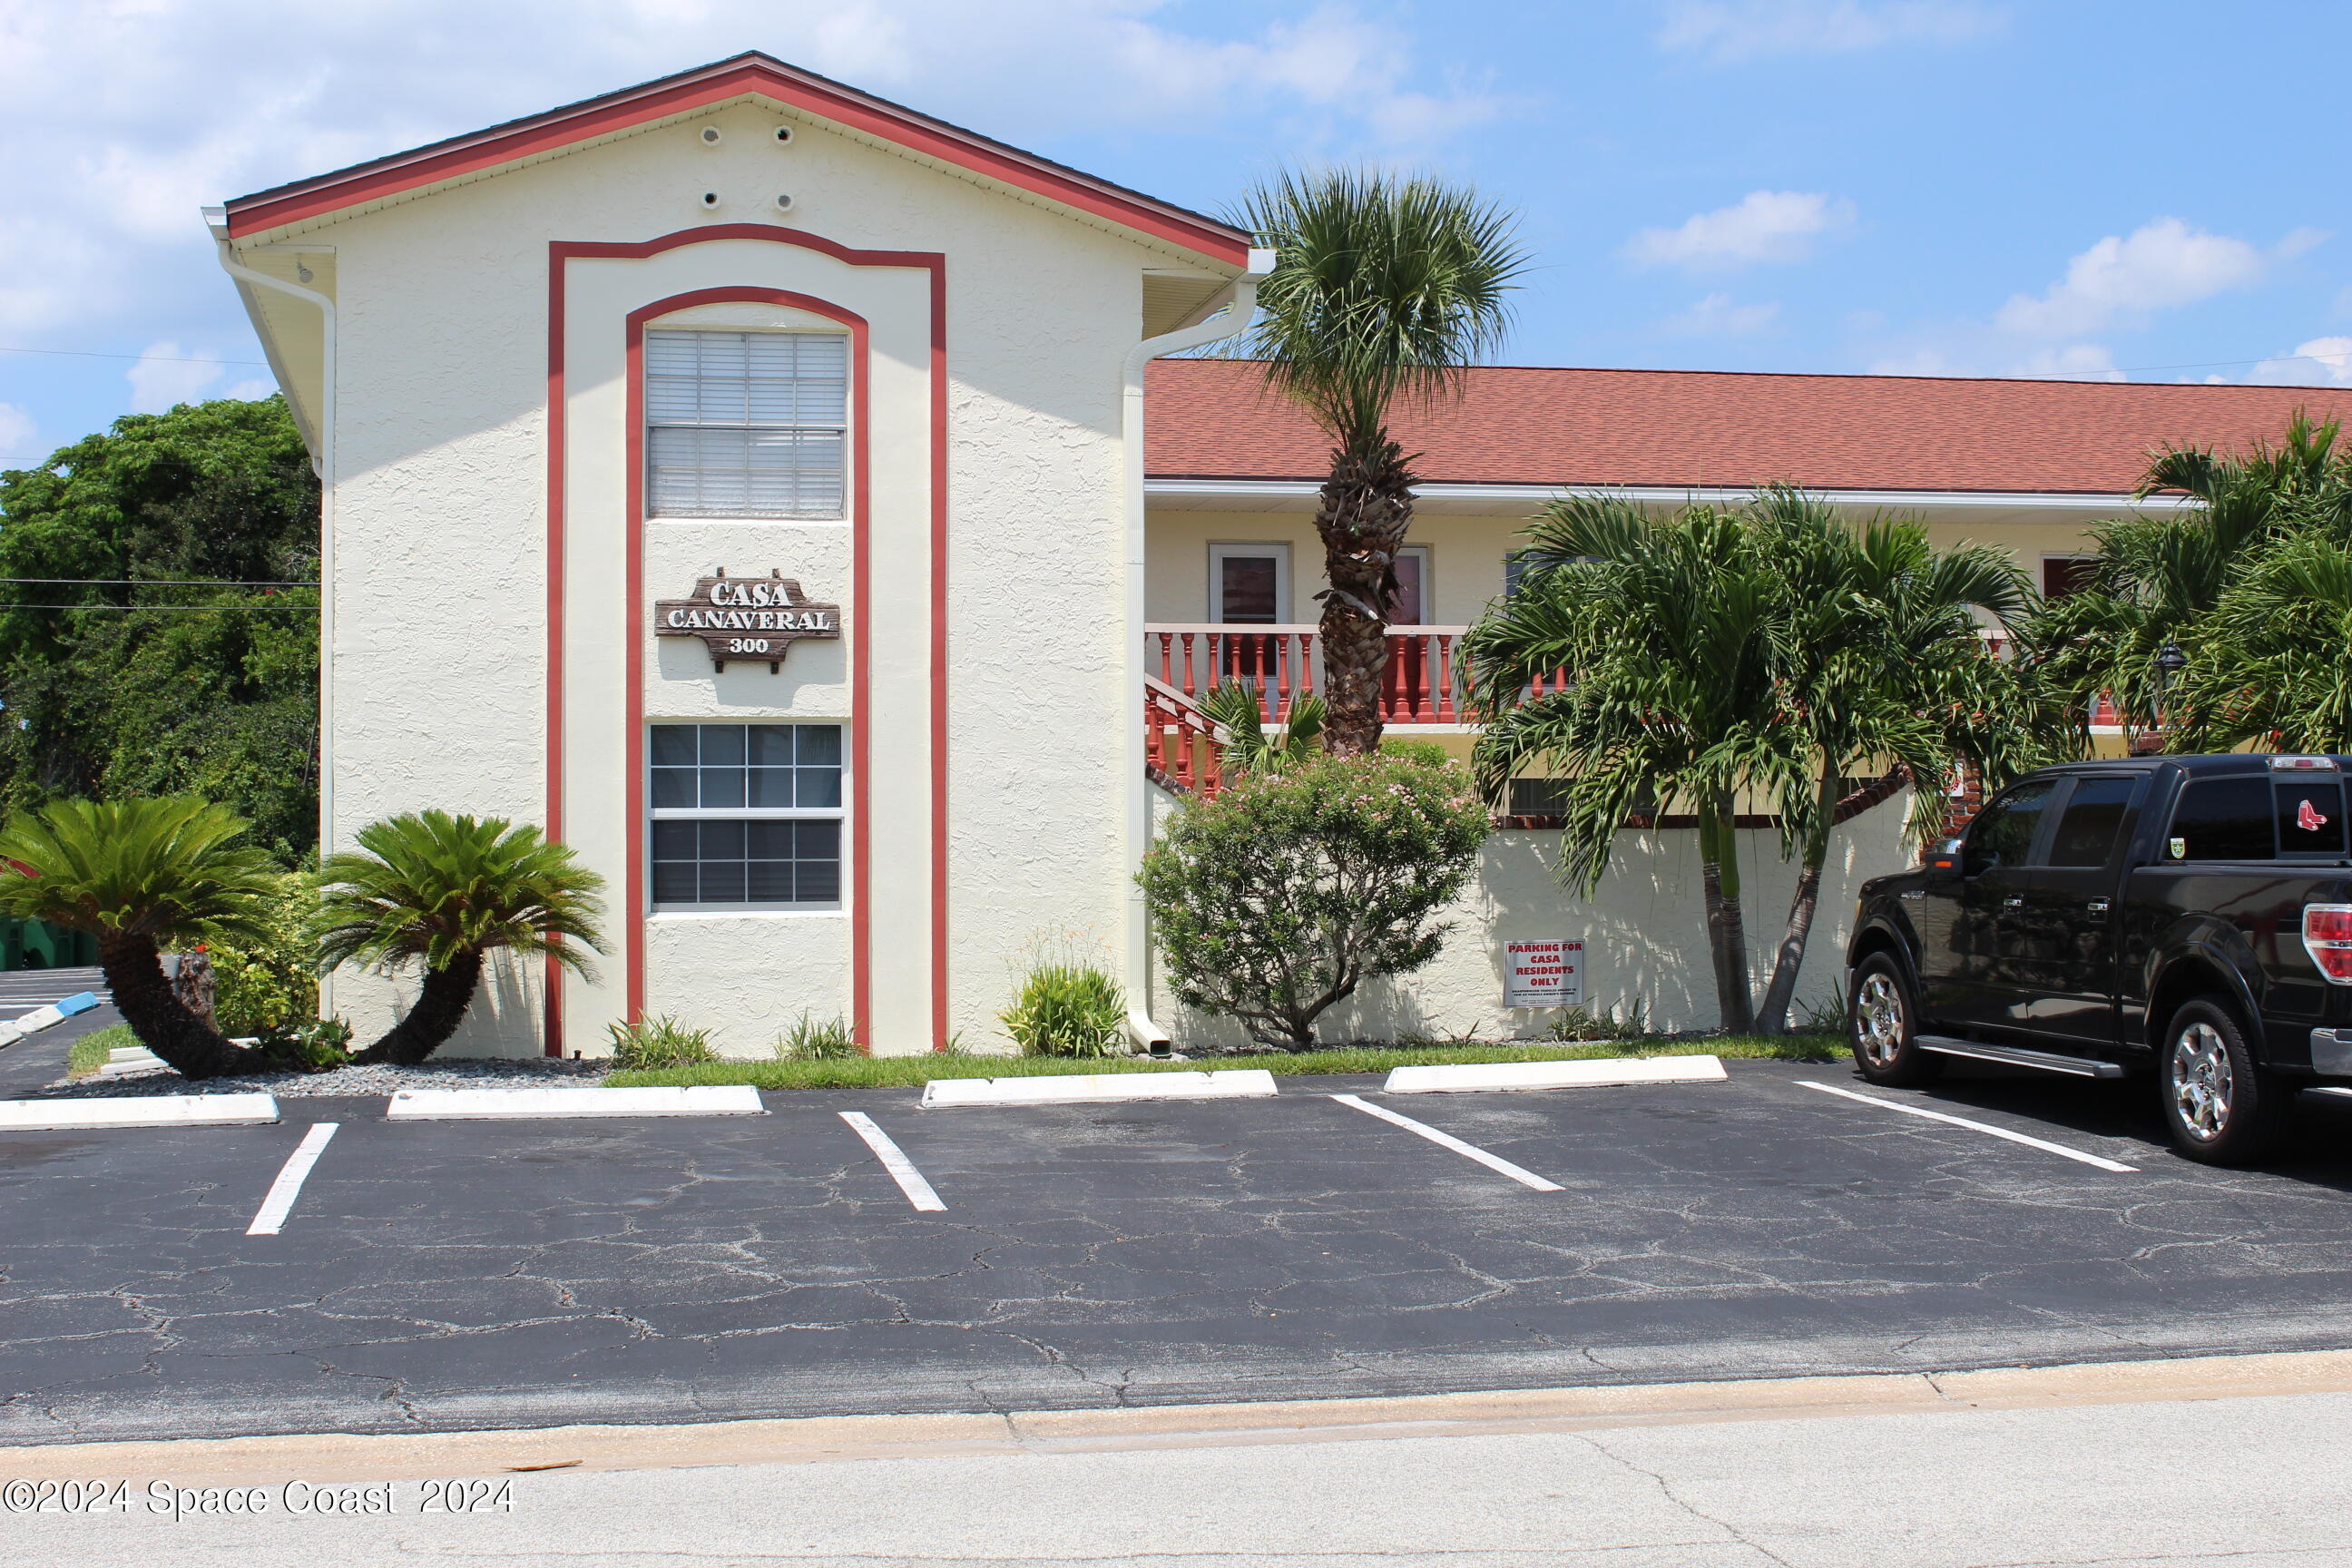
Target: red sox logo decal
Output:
[(2308, 819)]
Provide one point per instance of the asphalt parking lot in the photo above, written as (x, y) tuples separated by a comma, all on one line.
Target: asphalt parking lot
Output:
[(456, 1275)]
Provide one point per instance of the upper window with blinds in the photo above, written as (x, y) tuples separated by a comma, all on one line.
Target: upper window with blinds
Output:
[(745, 423)]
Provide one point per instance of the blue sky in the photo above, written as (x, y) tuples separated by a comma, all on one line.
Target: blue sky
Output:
[(2151, 190)]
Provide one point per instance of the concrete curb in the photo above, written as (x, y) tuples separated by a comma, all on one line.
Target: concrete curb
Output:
[(148, 1110), (40, 1018), (337, 1457), (1094, 1089), (485, 1104), (1589, 1073)]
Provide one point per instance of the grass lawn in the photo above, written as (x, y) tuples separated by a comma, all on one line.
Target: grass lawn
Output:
[(908, 1072), (88, 1053)]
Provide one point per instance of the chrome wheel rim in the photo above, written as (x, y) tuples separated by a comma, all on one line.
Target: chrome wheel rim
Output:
[(1878, 1020), (2202, 1081)]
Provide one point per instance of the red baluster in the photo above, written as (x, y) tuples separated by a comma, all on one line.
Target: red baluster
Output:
[(1445, 679)]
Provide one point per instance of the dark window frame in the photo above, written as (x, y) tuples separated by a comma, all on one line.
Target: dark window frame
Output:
[(781, 810)]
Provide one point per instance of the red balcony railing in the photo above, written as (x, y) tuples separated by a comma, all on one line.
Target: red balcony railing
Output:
[(1284, 663)]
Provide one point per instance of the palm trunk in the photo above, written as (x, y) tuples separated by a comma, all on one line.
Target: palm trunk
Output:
[(1726, 931), (134, 977), (1362, 515), (1773, 1019), (440, 1007)]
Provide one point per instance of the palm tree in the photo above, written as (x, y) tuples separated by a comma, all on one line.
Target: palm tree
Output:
[(1635, 661), (1250, 746), (2154, 577), (142, 875), (1771, 654), (1383, 288), (2267, 666), (447, 891), (1880, 644)]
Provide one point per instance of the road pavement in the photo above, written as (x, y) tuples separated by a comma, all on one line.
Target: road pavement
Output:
[(471, 1275)]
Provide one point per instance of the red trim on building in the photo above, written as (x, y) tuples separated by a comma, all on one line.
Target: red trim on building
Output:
[(862, 914), (543, 134)]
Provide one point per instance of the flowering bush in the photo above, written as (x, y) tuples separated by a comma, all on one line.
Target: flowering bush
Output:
[(1278, 899)]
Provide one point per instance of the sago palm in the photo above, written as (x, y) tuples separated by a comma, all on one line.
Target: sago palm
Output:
[(1383, 288), (445, 893), (142, 876)]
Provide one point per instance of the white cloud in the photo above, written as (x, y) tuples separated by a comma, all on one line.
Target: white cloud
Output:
[(121, 118), (1763, 226), (2159, 265), (1727, 31), (1717, 316), (2072, 361), (165, 376), (19, 440), (2322, 362), (248, 391)]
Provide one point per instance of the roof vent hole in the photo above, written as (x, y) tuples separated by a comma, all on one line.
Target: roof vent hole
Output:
[(784, 134), (785, 203), (710, 198), (712, 136)]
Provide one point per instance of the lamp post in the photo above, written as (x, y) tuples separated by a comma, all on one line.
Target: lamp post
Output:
[(2169, 662)]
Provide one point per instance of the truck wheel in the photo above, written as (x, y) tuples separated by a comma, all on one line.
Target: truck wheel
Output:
[(1880, 1026), (2222, 1108)]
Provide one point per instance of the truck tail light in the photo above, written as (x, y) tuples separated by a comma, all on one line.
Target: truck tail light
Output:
[(2328, 937)]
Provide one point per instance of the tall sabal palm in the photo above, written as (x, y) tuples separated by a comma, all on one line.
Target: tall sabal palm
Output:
[(142, 876), (446, 892), (1636, 662), (1383, 288), (2153, 577)]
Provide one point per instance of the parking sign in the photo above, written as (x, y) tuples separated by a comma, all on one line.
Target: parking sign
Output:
[(1543, 974)]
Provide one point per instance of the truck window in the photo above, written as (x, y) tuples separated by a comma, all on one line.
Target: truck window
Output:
[(2093, 821), (2003, 832), (2310, 817), (2222, 820)]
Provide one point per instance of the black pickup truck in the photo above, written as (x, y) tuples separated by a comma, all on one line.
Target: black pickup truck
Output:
[(2191, 916)]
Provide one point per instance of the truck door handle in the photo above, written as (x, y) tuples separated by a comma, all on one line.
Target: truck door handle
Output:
[(2097, 905), (2013, 904)]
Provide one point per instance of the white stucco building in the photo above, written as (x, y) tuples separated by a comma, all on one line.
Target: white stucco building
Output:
[(588, 390)]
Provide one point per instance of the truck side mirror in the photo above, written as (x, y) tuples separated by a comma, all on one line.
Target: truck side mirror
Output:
[(1943, 855)]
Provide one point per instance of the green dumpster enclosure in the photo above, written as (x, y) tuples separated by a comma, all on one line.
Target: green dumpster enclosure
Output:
[(36, 944)]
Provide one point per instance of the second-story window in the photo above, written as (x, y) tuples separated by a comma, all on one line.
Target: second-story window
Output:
[(746, 424)]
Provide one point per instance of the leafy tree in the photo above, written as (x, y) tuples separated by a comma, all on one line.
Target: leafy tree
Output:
[(446, 892), (1383, 288), (1278, 899), (117, 695), (143, 875), (1772, 654)]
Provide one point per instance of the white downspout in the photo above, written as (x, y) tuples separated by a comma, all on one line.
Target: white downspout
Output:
[(1136, 838), (322, 463)]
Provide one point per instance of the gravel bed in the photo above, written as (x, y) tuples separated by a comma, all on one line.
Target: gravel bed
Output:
[(502, 1072)]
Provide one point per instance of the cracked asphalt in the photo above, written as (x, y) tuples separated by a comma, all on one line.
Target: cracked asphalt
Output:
[(467, 1275)]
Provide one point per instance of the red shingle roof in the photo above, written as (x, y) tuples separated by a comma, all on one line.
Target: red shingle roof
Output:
[(1212, 419)]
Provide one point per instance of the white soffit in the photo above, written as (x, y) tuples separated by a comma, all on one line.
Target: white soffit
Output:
[(1522, 500)]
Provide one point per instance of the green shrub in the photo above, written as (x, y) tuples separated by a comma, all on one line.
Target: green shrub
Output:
[(661, 1042), (269, 985), (319, 1045), (810, 1041), (1278, 899), (1068, 1005)]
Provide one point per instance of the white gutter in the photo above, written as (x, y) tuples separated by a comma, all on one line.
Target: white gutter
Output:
[(1258, 491), (1241, 308), (322, 463)]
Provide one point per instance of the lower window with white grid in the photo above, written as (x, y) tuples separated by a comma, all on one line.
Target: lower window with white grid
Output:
[(746, 817)]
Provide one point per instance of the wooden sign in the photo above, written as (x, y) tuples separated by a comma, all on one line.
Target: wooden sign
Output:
[(747, 617)]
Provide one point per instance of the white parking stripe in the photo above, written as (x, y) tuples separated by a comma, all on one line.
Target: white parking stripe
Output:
[(894, 1160), (290, 1176), (1446, 1140), (2101, 1163)]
